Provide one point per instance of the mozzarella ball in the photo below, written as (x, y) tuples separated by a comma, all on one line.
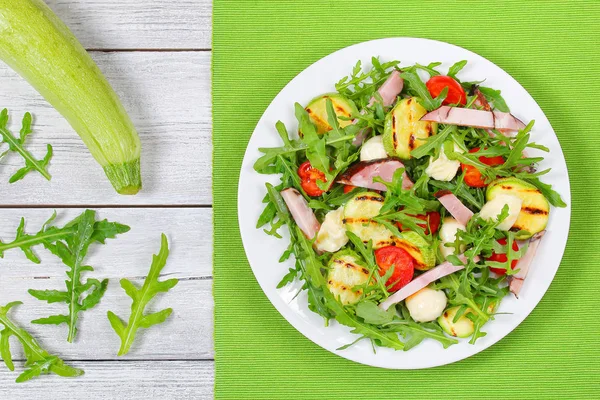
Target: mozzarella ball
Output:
[(426, 305), (332, 234), (492, 209), (373, 149), (443, 169), (448, 231)]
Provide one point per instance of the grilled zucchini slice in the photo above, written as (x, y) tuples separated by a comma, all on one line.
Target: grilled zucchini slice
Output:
[(357, 217), (418, 248), (462, 328), (535, 209), (346, 272), (317, 110), (403, 130)]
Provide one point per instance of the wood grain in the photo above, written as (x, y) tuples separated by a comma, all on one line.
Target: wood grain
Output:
[(156, 56), (168, 97), (136, 24), (134, 380), (187, 334)]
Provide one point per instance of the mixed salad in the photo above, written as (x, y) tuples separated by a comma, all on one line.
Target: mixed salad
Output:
[(412, 204)]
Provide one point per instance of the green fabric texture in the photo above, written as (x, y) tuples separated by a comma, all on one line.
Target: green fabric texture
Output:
[(551, 48)]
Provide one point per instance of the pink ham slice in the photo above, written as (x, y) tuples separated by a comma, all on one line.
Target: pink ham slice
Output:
[(516, 281), (454, 206), (362, 173), (390, 89), (421, 281), (301, 212), (503, 122)]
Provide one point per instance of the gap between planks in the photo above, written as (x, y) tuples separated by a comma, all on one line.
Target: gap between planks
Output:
[(74, 206), (148, 50)]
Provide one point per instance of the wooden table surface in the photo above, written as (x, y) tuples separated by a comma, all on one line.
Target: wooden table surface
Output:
[(156, 54)]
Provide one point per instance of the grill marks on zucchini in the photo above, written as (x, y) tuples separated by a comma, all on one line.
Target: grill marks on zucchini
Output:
[(358, 214), (404, 131), (317, 111), (535, 209), (345, 273)]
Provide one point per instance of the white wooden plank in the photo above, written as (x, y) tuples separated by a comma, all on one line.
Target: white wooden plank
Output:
[(189, 232), (187, 334), (168, 97), (136, 380), (136, 24)]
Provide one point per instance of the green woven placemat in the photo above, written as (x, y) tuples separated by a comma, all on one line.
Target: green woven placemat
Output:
[(552, 49)]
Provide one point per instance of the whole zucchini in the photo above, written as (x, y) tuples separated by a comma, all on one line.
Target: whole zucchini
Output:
[(40, 47)]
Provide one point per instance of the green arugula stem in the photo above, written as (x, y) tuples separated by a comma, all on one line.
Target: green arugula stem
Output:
[(13, 144), (37, 239)]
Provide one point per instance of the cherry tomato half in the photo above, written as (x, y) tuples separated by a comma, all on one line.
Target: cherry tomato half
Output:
[(433, 217), (456, 94), (402, 262), (503, 258), (348, 188), (473, 177), (309, 177)]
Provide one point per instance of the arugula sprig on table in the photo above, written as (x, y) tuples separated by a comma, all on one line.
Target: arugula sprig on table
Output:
[(17, 145), (49, 235), (38, 360), (79, 295), (140, 299)]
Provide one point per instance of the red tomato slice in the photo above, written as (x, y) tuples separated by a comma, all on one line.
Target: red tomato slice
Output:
[(433, 217), (309, 177), (402, 262), (473, 177), (348, 188), (456, 94), (503, 258)]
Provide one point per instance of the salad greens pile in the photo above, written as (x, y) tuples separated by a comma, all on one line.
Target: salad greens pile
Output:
[(351, 117)]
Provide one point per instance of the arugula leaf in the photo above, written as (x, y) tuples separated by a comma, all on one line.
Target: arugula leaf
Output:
[(16, 145), (49, 235), (368, 331), (494, 97), (417, 86), (141, 297), (415, 333), (546, 189), (39, 361), (372, 314), (455, 69), (72, 249), (433, 142)]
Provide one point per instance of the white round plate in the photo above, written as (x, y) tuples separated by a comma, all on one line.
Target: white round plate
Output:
[(263, 251)]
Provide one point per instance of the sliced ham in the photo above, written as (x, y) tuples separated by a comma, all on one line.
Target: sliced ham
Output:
[(362, 173), (506, 122), (454, 206), (390, 89), (421, 281), (516, 281), (503, 122), (301, 212)]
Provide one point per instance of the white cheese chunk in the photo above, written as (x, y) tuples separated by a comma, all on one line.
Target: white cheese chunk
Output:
[(373, 149), (448, 235), (443, 169), (426, 305), (332, 234), (493, 208)]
